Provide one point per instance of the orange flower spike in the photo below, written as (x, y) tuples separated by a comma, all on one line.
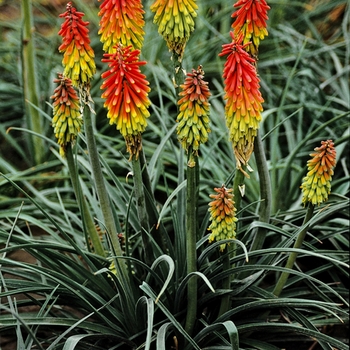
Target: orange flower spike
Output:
[(316, 185), (222, 216), (78, 56), (193, 117), (243, 99), (126, 94), (67, 119), (121, 22), (251, 20), (175, 20)]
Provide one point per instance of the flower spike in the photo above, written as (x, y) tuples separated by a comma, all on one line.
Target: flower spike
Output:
[(251, 20), (193, 115), (222, 216), (67, 119), (243, 99), (126, 94), (316, 184), (121, 22), (175, 20), (78, 56)]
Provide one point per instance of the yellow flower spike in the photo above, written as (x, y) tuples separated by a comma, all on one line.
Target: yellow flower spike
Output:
[(67, 119), (121, 22), (175, 20), (78, 56), (222, 216), (193, 118), (316, 185)]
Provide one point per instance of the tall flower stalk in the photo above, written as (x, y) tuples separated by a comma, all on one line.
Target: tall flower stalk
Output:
[(250, 27), (79, 66), (127, 102), (316, 187), (192, 130), (67, 122)]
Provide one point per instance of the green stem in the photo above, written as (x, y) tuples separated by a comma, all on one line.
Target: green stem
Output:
[(265, 193), (141, 209), (30, 85), (293, 256), (191, 238), (226, 283), (238, 186), (159, 233), (87, 219), (101, 190)]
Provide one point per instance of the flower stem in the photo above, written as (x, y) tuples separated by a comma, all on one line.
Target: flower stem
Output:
[(88, 222), (265, 193), (30, 83), (158, 233), (191, 237), (293, 256), (141, 209), (101, 190)]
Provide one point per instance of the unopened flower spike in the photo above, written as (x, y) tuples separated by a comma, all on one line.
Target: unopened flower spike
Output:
[(126, 94), (243, 99), (250, 21), (316, 185), (121, 22), (78, 56), (175, 20), (67, 119), (222, 216), (193, 117)]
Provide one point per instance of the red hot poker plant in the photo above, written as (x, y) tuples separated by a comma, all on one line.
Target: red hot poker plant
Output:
[(67, 119), (316, 184), (243, 99), (121, 22), (251, 20), (126, 94), (193, 117), (78, 56)]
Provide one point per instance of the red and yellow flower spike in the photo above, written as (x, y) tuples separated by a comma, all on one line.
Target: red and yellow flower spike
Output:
[(78, 56), (175, 20), (243, 99), (316, 185), (67, 119), (126, 94), (121, 22), (250, 21), (222, 216), (193, 117)]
